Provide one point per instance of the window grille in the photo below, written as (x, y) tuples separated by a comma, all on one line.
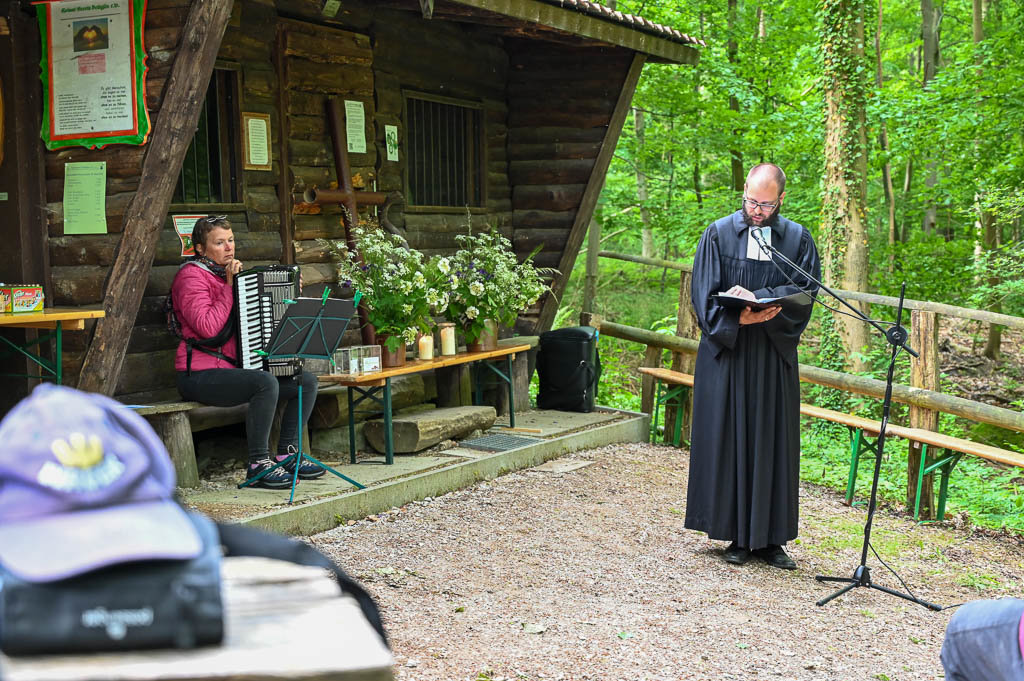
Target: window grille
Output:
[(211, 169), (445, 162)]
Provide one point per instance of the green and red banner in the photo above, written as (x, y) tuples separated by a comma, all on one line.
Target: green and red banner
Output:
[(93, 73)]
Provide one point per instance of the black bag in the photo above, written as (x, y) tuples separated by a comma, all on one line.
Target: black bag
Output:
[(238, 540), (132, 606), (210, 346), (568, 368)]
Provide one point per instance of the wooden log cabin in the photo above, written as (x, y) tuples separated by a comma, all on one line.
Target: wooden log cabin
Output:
[(507, 111)]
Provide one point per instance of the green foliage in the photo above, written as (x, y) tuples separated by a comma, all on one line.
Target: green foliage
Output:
[(484, 280), (393, 281)]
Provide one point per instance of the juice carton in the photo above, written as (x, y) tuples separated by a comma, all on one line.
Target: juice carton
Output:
[(26, 299)]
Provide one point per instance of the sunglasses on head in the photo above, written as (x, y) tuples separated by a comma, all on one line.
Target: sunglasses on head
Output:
[(214, 218)]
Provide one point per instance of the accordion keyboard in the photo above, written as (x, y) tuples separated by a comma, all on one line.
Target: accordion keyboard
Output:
[(261, 296)]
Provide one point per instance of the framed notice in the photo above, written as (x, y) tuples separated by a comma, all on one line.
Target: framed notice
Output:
[(183, 226), (256, 147), (93, 73)]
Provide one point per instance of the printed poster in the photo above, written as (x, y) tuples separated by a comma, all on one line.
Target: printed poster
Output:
[(183, 226), (93, 73), (355, 127), (391, 141), (85, 197)]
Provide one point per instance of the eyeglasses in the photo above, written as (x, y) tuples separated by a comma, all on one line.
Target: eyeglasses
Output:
[(751, 204), (213, 218)]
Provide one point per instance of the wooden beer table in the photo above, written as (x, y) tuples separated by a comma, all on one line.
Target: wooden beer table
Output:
[(281, 621), (56, 318), (369, 385)]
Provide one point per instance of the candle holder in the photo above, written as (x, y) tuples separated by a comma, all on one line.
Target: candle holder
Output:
[(447, 330)]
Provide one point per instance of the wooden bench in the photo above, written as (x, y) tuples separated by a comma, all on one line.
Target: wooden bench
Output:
[(862, 428)]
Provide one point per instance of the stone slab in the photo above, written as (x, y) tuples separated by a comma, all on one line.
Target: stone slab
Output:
[(561, 466), (551, 423)]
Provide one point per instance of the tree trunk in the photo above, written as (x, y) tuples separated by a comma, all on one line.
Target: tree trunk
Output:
[(593, 266), (144, 217), (735, 155), (646, 235), (883, 145), (988, 227), (930, 65), (844, 208)]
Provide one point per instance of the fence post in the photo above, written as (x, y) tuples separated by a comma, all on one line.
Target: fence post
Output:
[(686, 327), (652, 358), (590, 280), (924, 373)]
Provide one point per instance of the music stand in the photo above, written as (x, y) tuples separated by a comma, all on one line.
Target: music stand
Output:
[(311, 328)]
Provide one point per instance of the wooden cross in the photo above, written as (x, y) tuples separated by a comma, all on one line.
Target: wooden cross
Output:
[(346, 196)]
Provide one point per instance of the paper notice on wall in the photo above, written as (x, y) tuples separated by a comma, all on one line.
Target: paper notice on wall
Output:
[(391, 140), (257, 136), (183, 226), (91, 69), (85, 198), (355, 127)]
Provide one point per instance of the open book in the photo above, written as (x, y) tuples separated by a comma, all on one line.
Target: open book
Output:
[(795, 300)]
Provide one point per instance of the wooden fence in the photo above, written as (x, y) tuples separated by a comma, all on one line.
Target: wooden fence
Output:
[(923, 395)]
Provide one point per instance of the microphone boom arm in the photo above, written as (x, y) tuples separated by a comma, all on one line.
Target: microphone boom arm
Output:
[(896, 335)]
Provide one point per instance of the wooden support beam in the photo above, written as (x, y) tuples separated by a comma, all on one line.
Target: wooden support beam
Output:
[(145, 216), (590, 195)]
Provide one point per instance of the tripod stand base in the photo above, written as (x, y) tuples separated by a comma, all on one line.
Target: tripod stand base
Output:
[(862, 577)]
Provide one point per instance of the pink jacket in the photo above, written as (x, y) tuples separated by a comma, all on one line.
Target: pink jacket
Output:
[(202, 303)]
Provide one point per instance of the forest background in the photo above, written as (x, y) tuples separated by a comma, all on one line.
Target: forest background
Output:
[(900, 125)]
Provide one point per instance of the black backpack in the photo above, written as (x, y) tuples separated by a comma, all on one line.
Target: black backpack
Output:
[(209, 345)]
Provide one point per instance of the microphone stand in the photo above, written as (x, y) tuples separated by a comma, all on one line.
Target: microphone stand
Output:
[(897, 338)]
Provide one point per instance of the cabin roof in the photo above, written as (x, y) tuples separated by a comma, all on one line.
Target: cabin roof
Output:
[(633, 21), (588, 21)]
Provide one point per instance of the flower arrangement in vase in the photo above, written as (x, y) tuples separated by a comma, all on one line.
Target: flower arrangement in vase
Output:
[(486, 282), (399, 298)]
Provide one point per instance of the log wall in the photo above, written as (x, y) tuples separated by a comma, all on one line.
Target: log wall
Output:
[(545, 112), (560, 102)]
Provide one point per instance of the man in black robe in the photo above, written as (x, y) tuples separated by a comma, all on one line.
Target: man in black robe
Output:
[(745, 440)]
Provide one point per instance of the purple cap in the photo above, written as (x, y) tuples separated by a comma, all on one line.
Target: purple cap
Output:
[(85, 483)]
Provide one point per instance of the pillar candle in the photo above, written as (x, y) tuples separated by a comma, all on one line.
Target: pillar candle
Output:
[(426, 347), (447, 339)]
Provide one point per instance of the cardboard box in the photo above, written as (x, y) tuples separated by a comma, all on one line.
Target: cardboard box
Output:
[(5, 299), (26, 299)]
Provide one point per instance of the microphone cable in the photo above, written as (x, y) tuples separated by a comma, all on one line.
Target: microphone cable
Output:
[(767, 250)]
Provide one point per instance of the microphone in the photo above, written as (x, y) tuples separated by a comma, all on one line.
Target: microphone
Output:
[(761, 241)]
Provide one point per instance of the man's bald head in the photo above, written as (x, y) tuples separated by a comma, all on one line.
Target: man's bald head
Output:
[(764, 174)]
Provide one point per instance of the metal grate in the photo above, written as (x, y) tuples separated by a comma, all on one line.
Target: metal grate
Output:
[(444, 153), (209, 169), (499, 443)]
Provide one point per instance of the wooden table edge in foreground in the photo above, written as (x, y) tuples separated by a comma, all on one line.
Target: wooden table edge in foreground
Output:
[(281, 621), (367, 385), (57, 318)]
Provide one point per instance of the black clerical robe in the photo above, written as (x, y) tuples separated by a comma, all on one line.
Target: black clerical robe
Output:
[(745, 441)]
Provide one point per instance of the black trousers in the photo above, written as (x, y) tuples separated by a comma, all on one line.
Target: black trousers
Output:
[(262, 391)]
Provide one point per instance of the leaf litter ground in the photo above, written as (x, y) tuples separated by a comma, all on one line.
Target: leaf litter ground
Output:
[(590, 575)]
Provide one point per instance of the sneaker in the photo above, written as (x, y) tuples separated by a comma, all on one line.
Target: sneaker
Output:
[(275, 479), (307, 471)]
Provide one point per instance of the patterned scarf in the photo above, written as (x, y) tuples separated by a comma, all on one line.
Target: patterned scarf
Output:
[(219, 270)]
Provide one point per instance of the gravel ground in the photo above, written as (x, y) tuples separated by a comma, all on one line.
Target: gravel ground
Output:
[(590, 574)]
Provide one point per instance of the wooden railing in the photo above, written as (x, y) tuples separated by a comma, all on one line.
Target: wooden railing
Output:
[(923, 396)]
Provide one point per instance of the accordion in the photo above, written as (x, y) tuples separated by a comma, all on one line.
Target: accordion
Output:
[(261, 296)]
